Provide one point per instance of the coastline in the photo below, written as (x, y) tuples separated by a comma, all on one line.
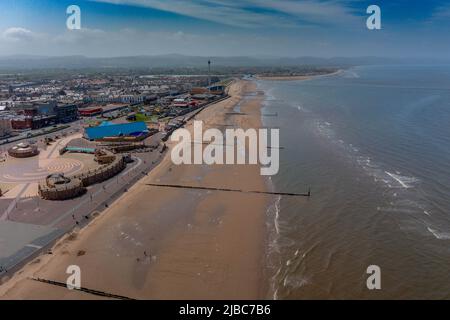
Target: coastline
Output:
[(284, 78), (156, 243), (298, 77)]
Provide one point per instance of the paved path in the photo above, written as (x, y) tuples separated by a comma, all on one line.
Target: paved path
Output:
[(22, 189)]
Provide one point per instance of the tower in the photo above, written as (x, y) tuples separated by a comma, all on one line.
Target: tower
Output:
[(209, 75)]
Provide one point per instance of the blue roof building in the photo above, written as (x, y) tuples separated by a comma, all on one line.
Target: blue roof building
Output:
[(116, 130)]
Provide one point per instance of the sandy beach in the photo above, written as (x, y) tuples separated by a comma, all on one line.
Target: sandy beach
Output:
[(161, 243)]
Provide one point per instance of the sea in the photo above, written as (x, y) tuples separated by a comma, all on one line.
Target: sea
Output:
[(372, 144)]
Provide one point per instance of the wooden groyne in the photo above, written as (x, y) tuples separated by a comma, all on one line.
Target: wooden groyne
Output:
[(176, 186), (86, 290)]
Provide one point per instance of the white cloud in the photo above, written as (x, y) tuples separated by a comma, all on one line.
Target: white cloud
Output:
[(81, 36), (327, 12), (441, 13), (237, 13), (19, 34)]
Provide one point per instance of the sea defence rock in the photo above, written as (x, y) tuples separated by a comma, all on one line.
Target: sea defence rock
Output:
[(59, 187)]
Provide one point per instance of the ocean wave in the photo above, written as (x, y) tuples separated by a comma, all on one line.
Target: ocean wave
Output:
[(295, 282), (302, 108), (349, 74), (276, 218), (269, 97), (439, 235), (371, 167), (273, 257), (392, 180), (404, 181), (324, 129), (398, 210), (405, 199)]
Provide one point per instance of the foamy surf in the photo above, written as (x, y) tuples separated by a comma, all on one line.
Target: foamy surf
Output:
[(276, 219), (351, 74), (302, 109), (295, 281), (405, 182), (439, 235), (273, 250)]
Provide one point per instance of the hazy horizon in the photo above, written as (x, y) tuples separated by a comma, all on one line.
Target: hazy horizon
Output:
[(262, 57)]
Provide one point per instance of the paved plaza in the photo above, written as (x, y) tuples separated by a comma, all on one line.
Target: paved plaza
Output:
[(28, 224)]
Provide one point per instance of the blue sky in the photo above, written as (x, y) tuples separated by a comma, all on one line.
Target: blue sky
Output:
[(226, 27)]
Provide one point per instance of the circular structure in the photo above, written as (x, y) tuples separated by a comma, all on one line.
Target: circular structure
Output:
[(23, 150), (34, 170)]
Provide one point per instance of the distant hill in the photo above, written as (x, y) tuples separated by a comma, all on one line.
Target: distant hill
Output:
[(182, 61)]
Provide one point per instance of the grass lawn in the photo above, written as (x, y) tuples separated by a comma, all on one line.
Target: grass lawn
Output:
[(142, 117)]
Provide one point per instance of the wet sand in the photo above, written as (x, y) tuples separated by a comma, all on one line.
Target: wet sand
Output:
[(160, 243)]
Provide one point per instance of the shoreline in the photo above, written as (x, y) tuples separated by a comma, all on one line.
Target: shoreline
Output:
[(298, 77), (164, 253)]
